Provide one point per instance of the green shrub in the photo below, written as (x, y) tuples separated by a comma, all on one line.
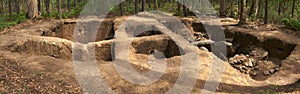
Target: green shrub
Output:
[(291, 23), (178, 13), (10, 20)]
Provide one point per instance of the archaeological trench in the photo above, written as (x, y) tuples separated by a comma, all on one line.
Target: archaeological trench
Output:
[(257, 61)]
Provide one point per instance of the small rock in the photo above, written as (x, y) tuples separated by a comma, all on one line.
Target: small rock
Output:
[(256, 68), (250, 64), (237, 67), (230, 62), (234, 61), (55, 56), (244, 68), (246, 64), (252, 73), (277, 68), (272, 71), (236, 55), (241, 60), (243, 71), (203, 48), (230, 59), (238, 62), (266, 73)]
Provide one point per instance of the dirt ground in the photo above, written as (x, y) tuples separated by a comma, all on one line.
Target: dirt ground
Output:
[(36, 59)]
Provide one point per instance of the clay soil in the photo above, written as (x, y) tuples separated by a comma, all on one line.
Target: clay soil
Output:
[(35, 59)]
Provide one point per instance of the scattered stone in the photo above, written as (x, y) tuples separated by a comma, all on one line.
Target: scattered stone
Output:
[(252, 73), (253, 63), (246, 64), (272, 71), (259, 53), (236, 55), (250, 64), (203, 48), (266, 73), (230, 61)]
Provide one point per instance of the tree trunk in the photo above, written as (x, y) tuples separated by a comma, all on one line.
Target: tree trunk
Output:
[(59, 9), (143, 5), (9, 7), (68, 5), (266, 12), (1, 8), (253, 9), (17, 6), (129, 2), (121, 9), (39, 5), (259, 9), (184, 9), (136, 6), (283, 7), (32, 11), (75, 3), (242, 13), (178, 6), (279, 7), (293, 8), (149, 3), (155, 5), (231, 8), (222, 8), (47, 5)]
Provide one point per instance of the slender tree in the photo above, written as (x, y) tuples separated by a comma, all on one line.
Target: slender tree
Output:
[(59, 9), (231, 8), (222, 8), (266, 12), (155, 5), (293, 8), (284, 7), (259, 11), (143, 5), (74, 3), (121, 9), (39, 5), (68, 5), (178, 6), (17, 6), (184, 8), (136, 6), (47, 5), (254, 8), (149, 3), (242, 12), (9, 7), (279, 7), (1, 8)]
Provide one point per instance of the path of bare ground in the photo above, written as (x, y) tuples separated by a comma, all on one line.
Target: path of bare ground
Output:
[(34, 63)]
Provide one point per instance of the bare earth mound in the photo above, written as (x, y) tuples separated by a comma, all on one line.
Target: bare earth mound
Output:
[(38, 59)]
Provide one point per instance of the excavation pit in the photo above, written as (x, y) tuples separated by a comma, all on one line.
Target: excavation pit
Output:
[(257, 55)]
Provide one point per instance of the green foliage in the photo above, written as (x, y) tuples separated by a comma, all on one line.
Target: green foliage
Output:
[(73, 12), (178, 13), (291, 23), (169, 7), (7, 20)]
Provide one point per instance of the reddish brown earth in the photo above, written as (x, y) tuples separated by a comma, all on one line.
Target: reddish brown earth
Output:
[(37, 59)]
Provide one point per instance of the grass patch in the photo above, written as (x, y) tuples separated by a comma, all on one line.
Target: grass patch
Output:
[(11, 20), (291, 23)]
